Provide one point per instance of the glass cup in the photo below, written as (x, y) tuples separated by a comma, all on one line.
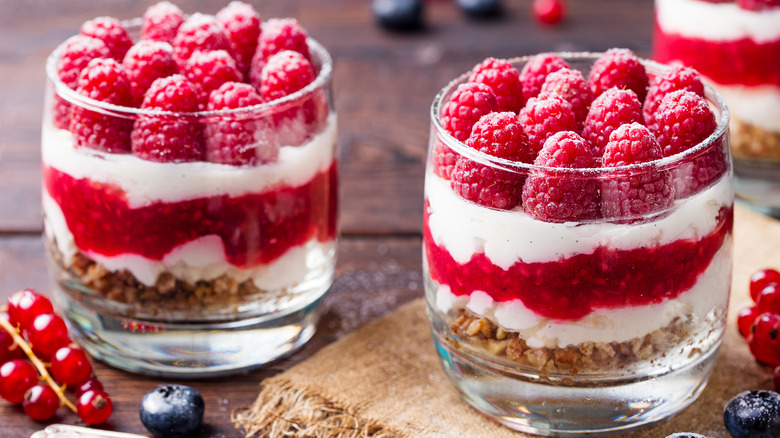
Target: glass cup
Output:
[(193, 268), (702, 34), (582, 327)]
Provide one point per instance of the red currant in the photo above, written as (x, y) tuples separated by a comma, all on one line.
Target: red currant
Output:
[(760, 279), (8, 349), (94, 407), (70, 366), (47, 333), (40, 402), (92, 383), (549, 11), (745, 319), (768, 299), (16, 377), (764, 339), (25, 305)]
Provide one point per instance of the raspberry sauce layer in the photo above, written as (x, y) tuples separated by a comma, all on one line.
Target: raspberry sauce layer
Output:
[(254, 228)]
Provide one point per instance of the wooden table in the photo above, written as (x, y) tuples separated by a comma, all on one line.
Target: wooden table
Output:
[(384, 84)]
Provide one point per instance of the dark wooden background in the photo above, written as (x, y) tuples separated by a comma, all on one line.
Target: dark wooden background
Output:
[(384, 85)]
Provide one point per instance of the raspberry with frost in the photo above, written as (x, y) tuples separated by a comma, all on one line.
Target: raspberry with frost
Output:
[(619, 68), (161, 21), (544, 116), (609, 111), (535, 71), (113, 34), (503, 79)]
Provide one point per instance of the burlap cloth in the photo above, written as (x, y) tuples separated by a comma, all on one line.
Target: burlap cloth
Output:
[(385, 379)]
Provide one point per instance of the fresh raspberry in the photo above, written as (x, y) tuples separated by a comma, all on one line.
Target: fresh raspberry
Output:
[(104, 80), (610, 110), (573, 88), (145, 62), (200, 32), (232, 139), (76, 54), (161, 21), (165, 138), (286, 73), (277, 34), (468, 103), (113, 34), (535, 71), (677, 77), (644, 191), (503, 79), (543, 117), (209, 70), (552, 196), (618, 68), (683, 120), (758, 5), (241, 23), (500, 135)]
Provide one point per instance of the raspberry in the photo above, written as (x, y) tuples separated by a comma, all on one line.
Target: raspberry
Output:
[(675, 78), (551, 196), (104, 80), (199, 33), (113, 34), (237, 141), (209, 70), (644, 191), (501, 135), (543, 117), (610, 110), (503, 79), (164, 138), (618, 68), (145, 62), (241, 23), (77, 53), (468, 103), (684, 120), (573, 88), (161, 21), (277, 34), (758, 5), (286, 73), (535, 71)]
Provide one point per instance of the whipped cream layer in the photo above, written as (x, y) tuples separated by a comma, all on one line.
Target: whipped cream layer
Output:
[(146, 182), (759, 105), (506, 237), (717, 21), (603, 325)]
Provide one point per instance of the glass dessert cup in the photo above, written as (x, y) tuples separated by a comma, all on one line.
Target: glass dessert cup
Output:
[(591, 327), (194, 268), (701, 34)]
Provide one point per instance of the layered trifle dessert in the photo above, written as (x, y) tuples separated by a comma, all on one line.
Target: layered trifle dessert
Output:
[(190, 170), (736, 45), (575, 240)]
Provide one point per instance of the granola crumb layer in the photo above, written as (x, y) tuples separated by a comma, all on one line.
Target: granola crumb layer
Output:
[(586, 357), (749, 141)]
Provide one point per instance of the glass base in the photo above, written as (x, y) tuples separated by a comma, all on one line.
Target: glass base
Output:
[(187, 350), (758, 183), (608, 407)]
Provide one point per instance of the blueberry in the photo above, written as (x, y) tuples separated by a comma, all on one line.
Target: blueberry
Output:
[(753, 414), (685, 435), (398, 14), (480, 8), (172, 411)]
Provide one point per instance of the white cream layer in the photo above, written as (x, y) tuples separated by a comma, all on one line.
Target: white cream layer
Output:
[(603, 325), (717, 21), (147, 182), (505, 237), (758, 105), (201, 259)]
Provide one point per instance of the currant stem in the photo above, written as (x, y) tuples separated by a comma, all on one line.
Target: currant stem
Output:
[(37, 362)]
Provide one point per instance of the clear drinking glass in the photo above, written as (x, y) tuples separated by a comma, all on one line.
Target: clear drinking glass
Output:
[(703, 34), (194, 268), (586, 327)]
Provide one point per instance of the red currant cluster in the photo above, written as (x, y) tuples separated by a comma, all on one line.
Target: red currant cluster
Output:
[(760, 324), (32, 330)]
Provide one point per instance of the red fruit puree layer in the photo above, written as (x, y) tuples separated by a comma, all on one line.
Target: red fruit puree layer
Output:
[(571, 288), (255, 228), (737, 62)]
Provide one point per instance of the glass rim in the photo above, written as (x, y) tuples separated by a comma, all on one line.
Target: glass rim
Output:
[(324, 77), (665, 163)]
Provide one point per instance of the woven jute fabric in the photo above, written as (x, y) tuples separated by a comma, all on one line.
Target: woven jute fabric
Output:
[(385, 380)]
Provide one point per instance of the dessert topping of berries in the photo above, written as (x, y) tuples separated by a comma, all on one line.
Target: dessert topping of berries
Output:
[(241, 23), (535, 71), (677, 77), (683, 120), (161, 21), (618, 68), (573, 88), (609, 111), (544, 116), (113, 34), (503, 79), (145, 62), (200, 32)]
